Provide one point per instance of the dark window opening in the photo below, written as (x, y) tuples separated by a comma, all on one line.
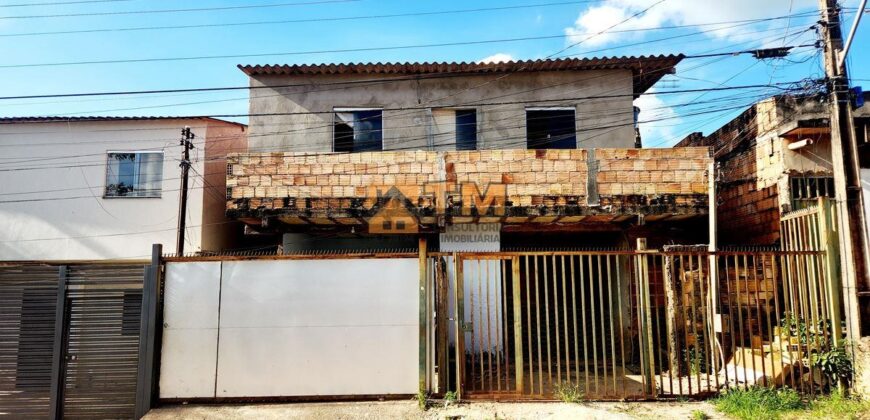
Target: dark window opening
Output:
[(358, 131), (551, 129), (466, 129)]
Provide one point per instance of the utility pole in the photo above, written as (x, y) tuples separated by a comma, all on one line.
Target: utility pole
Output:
[(186, 145), (847, 181)]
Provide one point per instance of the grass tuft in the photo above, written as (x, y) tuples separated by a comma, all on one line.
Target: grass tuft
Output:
[(836, 406), (759, 403), (699, 415), (772, 404), (569, 393)]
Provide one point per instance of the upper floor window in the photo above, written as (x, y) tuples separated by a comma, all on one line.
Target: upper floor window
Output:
[(551, 128), (455, 128), (466, 129), (134, 174), (358, 130)]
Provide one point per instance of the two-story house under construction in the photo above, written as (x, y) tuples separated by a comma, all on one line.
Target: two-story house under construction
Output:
[(542, 149)]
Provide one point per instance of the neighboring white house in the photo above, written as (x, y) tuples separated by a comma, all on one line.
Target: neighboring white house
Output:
[(108, 187)]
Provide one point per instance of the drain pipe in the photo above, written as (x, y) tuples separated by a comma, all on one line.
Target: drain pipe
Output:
[(800, 144)]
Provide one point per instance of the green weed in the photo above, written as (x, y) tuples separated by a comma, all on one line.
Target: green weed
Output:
[(569, 393), (758, 403)]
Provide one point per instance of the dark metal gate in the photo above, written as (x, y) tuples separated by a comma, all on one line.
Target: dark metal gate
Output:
[(102, 341), (27, 310), (69, 340)]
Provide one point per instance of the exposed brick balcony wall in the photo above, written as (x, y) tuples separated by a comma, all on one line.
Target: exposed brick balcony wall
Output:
[(554, 183), (678, 174), (531, 177)]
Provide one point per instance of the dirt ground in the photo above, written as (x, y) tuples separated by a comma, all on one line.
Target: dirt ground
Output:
[(409, 410)]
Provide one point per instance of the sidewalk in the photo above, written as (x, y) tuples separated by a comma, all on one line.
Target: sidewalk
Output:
[(409, 410)]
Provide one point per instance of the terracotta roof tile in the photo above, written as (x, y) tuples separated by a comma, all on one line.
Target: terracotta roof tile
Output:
[(646, 69)]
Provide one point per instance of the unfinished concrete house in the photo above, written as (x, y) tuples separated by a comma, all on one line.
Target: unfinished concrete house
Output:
[(773, 158), (545, 149)]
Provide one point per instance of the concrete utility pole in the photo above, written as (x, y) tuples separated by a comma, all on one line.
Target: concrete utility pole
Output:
[(186, 145), (847, 182)]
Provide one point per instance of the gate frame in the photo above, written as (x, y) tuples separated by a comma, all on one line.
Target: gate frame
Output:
[(58, 355), (150, 331)]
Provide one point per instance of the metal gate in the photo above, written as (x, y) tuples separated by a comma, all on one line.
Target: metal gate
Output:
[(69, 340), (613, 325), (533, 324), (27, 310), (101, 341)]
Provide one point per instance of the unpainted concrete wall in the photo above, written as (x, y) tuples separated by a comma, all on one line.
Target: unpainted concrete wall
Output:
[(601, 122)]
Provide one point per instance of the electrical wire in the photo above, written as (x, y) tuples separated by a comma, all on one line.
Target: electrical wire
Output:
[(291, 21), (188, 10)]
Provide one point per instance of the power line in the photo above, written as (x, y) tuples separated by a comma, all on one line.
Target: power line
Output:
[(584, 79), (61, 3), (380, 81), (376, 82), (502, 141), (197, 9), (290, 21), (605, 30), (623, 95), (332, 51), (310, 130), (278, 54)]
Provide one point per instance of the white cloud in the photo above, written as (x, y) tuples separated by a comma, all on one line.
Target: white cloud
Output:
[(677, 12), (497, 58)]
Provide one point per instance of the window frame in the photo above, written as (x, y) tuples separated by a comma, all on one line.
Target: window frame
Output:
[(456, 112), (573, 109), (337, 110), (106, 174)]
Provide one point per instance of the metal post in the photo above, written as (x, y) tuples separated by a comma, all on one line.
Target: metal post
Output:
[(424, 319), (146, 384), (644, 317), (518, 323), (186, 145), (58, 356), (828, 244), (844, 156), (459, 308)]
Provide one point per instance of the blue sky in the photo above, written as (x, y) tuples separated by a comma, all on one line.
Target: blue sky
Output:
[(673, 115)]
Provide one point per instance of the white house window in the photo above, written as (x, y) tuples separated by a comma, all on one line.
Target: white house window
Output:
[(358, 130), (134, 174)]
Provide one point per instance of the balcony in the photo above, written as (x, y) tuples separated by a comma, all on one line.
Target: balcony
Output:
[(487, 186)]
